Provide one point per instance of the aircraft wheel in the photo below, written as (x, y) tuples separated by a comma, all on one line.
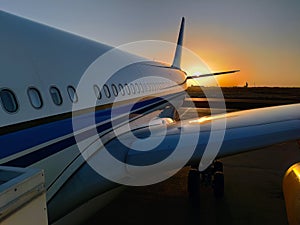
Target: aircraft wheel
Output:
[(194, 185), (218, 185), (218, 166)]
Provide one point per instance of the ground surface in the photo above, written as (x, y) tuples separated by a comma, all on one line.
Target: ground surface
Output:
[(253, 195), (253, 189)]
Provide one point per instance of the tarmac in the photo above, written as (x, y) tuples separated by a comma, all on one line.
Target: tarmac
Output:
[(253, 193)]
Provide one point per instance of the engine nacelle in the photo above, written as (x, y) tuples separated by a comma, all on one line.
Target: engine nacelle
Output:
[(291, 190), (160, 121)]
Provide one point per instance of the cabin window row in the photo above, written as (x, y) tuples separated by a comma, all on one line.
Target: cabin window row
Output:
[(126, 89), (10, 103)]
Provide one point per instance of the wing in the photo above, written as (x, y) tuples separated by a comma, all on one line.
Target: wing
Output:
[(153, 153), (207, 138), (212, 74)]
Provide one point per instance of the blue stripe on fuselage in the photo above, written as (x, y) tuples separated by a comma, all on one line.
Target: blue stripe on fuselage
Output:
[(24, 139)]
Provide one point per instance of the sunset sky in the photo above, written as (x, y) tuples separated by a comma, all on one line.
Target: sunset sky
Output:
[(261, 38)]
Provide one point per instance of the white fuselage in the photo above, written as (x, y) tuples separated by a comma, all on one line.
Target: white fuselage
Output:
[(37, 131)]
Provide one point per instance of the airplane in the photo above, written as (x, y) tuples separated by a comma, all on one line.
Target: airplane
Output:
[(92, 136)]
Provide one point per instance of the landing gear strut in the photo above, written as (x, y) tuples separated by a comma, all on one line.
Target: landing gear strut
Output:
[(213, 177), (218, 184), (194, 183)]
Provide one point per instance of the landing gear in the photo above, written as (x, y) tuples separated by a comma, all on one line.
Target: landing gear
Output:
[(218, 181), (218, 185), (218, 166), (212, 177), (194, 185)]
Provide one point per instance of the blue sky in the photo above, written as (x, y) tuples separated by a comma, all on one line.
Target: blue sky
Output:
[(262, 38)]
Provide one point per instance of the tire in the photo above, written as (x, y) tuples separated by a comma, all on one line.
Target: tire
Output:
[(218, 185), (218, 166), (194, 184)]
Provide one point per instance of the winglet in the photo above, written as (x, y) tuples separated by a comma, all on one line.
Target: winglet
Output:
[(178, 52)]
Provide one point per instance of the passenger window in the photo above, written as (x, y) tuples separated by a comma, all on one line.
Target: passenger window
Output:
[(137, 88), (127, 89), (8, 101), (106, 91), (132, 88), (72, 94), (55, 95), (114, 90), (149, 87), (145, 87), (121, 89), (97, 92), (141, 88), (35, 98)]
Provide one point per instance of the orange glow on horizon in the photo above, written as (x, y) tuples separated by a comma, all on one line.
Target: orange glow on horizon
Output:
[(229, 59)]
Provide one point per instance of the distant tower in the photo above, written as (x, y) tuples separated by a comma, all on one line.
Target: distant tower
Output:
[(246, 85)]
